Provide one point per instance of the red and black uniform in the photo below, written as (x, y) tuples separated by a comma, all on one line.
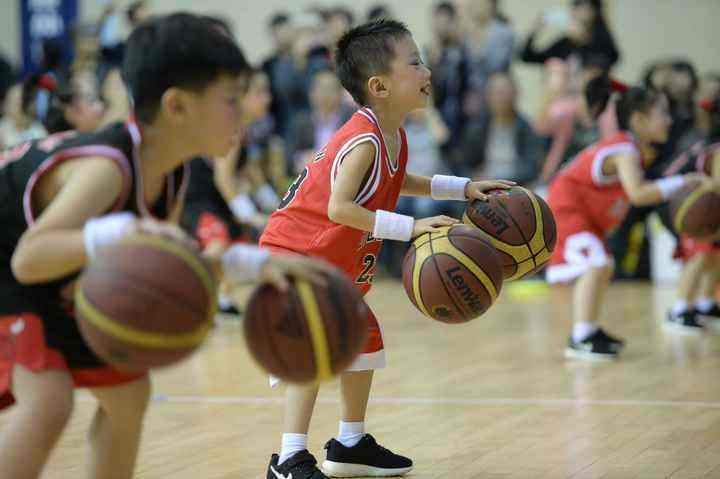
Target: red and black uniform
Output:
[(37, 327)]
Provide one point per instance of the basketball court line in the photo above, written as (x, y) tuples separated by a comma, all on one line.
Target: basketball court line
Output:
[(439, 401)]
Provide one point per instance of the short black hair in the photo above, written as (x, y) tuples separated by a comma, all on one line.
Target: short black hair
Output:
[(278, 19), (179, 50), (367, 50)]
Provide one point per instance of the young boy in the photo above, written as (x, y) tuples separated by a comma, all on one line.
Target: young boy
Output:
[(64, 197), (339, 209)]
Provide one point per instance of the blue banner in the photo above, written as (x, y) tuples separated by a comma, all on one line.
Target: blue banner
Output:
[(42, 20)]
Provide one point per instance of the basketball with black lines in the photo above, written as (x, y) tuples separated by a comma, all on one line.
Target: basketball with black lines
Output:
[(695, 210), (146, 302), (452, 276), (311, 332), (520, 225)]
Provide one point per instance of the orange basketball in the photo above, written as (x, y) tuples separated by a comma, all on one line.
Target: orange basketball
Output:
[(145, 302), (520, 225), (452, 276)]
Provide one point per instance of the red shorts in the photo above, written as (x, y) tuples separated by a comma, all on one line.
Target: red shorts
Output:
[(688, 247), (373, 356), (580, 246), (23, 342)]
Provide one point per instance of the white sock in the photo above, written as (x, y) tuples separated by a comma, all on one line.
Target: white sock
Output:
[(291, 444), (679, 307), (704, 304), (350, 433), (582, 330)]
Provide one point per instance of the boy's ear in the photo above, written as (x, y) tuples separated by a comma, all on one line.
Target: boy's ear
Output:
[(174, 104), (378, 86)]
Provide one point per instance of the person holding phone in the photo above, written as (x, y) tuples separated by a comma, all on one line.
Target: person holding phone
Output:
[(586, 35)]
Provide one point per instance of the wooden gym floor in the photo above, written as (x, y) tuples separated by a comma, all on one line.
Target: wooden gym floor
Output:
[(490, 399)]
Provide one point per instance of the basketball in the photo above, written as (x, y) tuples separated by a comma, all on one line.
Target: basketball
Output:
[(695, 210), (308, 333), (452, 276), (146, 302), (520, 225)]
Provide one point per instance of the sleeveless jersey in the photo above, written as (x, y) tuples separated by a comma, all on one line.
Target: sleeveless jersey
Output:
[(583, 188), (21, 169), (301, 223)]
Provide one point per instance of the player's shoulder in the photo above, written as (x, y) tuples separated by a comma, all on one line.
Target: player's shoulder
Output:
[(359, 128)]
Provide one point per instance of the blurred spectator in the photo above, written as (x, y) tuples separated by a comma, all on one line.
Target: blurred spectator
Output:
[(446, 59), (338, 21), (682, 87), (312, 130), (115, 95), (266, 169), (7, 77), (489, 45), (709, 90), (657, 75), (564, 117), (292, 65), (18, 123), (113, 27), (587, 36), (497, 13), (376, 12), (501, 143)]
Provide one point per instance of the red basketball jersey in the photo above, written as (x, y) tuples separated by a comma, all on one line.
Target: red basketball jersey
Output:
[(301, 223), (583, 188)]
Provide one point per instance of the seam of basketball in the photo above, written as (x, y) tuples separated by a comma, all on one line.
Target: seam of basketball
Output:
[(527, 243), (442, 280)]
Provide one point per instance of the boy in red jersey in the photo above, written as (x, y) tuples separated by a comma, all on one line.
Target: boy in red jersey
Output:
[(696, 306), (590, 198), (339, 209)]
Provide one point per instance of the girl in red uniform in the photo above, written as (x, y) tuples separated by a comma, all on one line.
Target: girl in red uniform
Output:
[(590, 198)]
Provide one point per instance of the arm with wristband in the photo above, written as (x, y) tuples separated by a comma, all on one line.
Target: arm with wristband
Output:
[(642, 192)]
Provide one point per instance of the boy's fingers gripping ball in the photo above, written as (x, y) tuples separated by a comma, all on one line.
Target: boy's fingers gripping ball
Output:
[(453, 275), (310, 332), (145, 302), (520, 225)]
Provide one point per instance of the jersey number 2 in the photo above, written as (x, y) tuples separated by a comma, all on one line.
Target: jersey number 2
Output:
[(292, 191), (366, 277)]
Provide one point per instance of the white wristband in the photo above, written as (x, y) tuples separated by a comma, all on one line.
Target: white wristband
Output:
[(393, 226), (443, 187), (106, 230), (668, 186), (243, 262), (242, 207), (267, 198)]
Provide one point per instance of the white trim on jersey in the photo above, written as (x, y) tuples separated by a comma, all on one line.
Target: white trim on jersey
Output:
[(604, 153), (83, 151), (373, 182), (392, 168)]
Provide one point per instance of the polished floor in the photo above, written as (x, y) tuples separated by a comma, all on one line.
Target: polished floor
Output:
[(490, 399)]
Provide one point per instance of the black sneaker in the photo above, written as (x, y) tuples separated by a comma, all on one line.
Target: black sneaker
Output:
[(710, 318), (599, 346), (365, 459), (301, 465), (685, 323)]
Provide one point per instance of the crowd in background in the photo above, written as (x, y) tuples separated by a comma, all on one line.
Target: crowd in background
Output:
[(295, 102)]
